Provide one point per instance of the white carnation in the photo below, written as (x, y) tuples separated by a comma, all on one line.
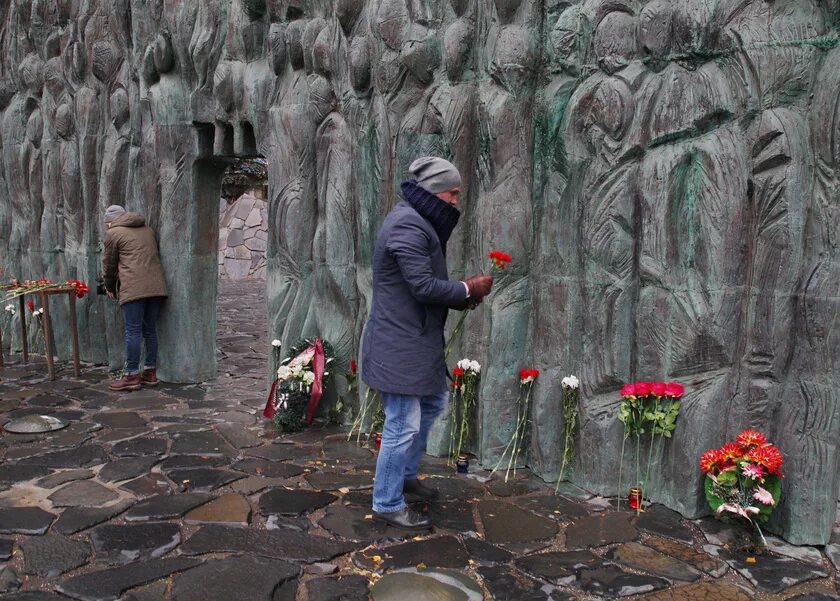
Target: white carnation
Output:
[(283, 372), (571, 382), (464, 364), (275, 343), (10, 309), (475, 366), (308, 378)]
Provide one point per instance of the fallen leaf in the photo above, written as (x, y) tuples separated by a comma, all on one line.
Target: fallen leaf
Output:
[(376, 558), (751, 560), (421, 566), (344, 490), (369, 516)]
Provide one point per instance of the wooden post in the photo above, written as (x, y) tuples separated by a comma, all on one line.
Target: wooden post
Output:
[(45, 304), (23, 329), (75, 332)]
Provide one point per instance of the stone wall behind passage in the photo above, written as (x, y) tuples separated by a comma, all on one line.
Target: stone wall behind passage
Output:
[(664, 172)]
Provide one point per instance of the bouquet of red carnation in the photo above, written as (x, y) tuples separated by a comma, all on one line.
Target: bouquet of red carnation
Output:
[(81, 289), (743, 478)]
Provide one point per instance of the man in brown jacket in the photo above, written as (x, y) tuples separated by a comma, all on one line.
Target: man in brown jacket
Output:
[(133, 274)]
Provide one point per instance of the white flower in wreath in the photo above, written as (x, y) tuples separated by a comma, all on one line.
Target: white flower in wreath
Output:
[(308, 378), (570, 382), (276, 343), (295, 369), (283, 372)]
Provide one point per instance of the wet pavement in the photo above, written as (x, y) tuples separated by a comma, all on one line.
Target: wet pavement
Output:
[(185, 492)]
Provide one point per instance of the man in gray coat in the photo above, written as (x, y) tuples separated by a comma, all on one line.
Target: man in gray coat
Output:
[(403, 346)]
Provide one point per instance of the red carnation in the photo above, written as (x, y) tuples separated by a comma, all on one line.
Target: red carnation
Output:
[(768, 456), (674, 389), (527, 376), (628, 390), (643, 388), (658, 388), (458, 372), (499, 258), (352, 366), (751, 438), (709, 460), (31, 305)]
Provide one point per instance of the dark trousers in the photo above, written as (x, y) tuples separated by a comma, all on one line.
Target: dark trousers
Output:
[(140, 318)]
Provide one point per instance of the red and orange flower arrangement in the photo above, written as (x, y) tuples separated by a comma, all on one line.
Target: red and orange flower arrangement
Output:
[(743, 478)]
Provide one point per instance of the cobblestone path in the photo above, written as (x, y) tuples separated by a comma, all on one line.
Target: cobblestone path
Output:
[(184, 493)]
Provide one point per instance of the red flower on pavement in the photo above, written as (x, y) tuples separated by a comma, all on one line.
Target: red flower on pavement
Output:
[(751, 438), (500, 259), (674, 389), (658, 388), (31, 305)]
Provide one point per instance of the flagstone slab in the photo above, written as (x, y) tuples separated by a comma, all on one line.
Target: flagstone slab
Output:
[(192, 461), (799, 552), (270, 469), (554, 507), (149, 485), (6, 547), (51, 555), (140, 446), (24, 520), (109, 584), (640, 557), (237, 436), (453, 515), (14, 473), (508, 523), (612, 582), (126, 468), (75, 519), (701, 561), (338, 588), (456, 488), (515, 488), (245, 578), (425, 585), (814, 596), (279, 544), (437, 552), (203, 479), (283, 452), (125, 543), (662, 521), (183, 392), (63, 477), (600, 530), (231, 509), (254, 484), (34, 596), (293, 501), (119, 419), (703, 591), (560, 567), (348, 452), (9, 580), (84, 456), (201, 443), (357, 524), (770, 574), (485, 553), (165, 507), (82, 493), (504, 582), (156, 591), (336, 481)]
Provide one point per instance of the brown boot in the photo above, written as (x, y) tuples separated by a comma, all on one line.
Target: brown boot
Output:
[(127, 382), (149, 377)]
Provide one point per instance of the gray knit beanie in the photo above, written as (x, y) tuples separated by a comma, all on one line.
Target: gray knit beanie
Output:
[(113, 212), (435, 174)]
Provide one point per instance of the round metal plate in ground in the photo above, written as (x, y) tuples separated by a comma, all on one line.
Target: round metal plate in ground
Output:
[(35, 424)]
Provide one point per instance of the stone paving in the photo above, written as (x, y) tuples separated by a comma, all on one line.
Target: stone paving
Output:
[(184, 493)]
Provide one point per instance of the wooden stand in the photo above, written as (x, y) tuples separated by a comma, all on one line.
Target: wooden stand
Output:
[(45, 295)]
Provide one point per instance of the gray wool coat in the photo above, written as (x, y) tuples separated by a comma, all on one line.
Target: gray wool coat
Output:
[(403, 344)]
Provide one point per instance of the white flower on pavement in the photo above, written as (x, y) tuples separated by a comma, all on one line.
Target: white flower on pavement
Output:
[(570, 382)]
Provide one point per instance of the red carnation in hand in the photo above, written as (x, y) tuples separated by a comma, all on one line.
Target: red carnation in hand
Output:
[(352, 366), (643, 388), (710, 460), (628, 390), (751, 438), (658, 388), (499, 258), (674, 389)]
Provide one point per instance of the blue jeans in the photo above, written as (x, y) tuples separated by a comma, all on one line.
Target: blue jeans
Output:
[(408, 419), (140, 317)]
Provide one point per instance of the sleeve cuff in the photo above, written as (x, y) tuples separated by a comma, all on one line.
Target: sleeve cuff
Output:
[(467, 288)]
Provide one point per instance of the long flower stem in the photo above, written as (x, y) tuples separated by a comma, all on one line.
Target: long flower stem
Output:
[(518, 448), (620, 467), (456, 333), (453, 417), (650, 448), (638, 474)]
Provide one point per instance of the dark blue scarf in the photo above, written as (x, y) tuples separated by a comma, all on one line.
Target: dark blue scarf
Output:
[(442, 215)]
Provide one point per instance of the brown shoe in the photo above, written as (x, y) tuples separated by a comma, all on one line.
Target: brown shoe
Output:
[(127, 382), (149, 377)]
